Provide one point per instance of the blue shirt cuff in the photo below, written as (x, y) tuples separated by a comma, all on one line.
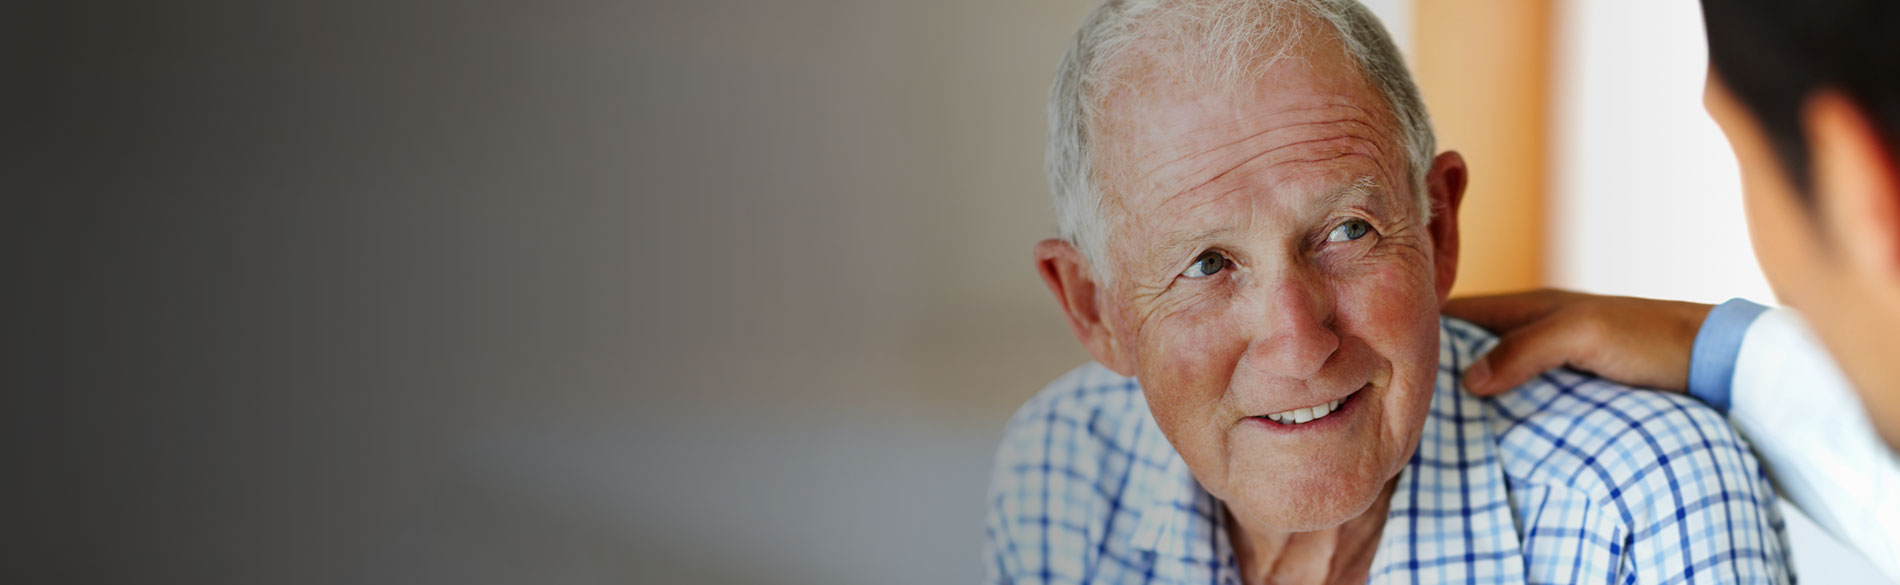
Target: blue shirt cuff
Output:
[(1717, 345)]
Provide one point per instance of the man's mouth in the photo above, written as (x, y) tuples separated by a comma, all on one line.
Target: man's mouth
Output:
[(1300, 416), (1305, 415)]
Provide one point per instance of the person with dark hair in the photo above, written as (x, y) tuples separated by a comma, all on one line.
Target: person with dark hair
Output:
[(1809, 96)]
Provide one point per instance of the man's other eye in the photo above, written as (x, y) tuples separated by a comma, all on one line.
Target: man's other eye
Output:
[(1352, 229), (1207, 264)]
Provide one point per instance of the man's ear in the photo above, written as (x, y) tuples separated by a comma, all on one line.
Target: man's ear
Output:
[(1855, 185), (1446, 183), (1068, 276)]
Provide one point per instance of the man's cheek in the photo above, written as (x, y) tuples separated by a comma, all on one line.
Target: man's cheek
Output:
[(1190, 355), (1399, 288), (1394, 309)]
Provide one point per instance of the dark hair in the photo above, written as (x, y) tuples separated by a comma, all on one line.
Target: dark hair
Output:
[(1774, 54)]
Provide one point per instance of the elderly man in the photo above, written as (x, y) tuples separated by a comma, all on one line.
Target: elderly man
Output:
[(1256, 242)]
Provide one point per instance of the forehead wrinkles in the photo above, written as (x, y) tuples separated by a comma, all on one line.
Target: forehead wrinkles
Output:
[(1233, 211), (1203, 171), (1159, 135), (1167, 141), (1236, 185), (1312, 134)]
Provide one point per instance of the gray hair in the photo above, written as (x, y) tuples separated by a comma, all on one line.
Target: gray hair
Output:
[(1224, 41)]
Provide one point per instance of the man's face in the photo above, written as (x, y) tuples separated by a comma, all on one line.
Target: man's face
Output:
[(1776, 221), (1805, 251), (1271, 257)]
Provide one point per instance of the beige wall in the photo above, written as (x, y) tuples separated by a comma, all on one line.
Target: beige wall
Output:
[(1484, 68)]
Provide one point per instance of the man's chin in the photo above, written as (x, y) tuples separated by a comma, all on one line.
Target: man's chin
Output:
[(1306, 506)]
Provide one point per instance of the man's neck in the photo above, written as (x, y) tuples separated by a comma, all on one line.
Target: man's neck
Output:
[(1341, 554)]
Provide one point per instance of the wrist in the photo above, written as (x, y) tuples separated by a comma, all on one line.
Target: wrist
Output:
[(1717, 344)]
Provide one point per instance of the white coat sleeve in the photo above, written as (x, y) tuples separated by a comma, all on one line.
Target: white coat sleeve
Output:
[(1791, 401)]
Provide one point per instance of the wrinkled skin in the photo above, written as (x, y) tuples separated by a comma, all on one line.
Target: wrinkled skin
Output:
[(1328, 285)]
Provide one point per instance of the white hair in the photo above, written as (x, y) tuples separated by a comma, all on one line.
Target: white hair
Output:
[(1205, 41)]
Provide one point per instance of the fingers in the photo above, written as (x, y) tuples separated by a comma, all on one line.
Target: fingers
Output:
[(1505, 312), (1521, 354), (1639, 342)]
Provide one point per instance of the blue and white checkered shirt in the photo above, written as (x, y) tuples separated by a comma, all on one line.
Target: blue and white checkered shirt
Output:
[(1567, 479)]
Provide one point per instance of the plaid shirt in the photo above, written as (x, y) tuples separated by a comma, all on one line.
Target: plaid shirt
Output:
[(1567, 479)]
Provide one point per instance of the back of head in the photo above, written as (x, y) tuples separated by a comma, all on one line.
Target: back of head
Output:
[(1774, 54)]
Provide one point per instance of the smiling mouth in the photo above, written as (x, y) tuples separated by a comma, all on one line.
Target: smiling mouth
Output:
[(1300, 416), (1305, 415)]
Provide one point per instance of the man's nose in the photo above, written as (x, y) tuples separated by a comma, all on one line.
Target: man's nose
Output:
[(1296, 337)]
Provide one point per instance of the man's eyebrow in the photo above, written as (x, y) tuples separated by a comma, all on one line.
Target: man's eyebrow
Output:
[(1364, 188), (1173, 243)]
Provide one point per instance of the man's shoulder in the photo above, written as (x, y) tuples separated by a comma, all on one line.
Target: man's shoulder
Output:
[(1075, 420), (1570, 429), (1659, 485), (1075, 465), (1618, 442), (1089, 388)]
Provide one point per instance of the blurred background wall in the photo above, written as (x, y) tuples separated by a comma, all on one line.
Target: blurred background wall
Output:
[(725, 291)]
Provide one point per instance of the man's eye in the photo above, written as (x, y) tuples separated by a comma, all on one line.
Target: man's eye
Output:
[(1209, 263), (1352, 229)]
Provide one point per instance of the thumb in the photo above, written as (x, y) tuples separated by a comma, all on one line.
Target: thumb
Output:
[(1520, 355)]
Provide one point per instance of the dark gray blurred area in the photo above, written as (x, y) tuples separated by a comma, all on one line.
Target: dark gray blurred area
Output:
[(724, 291)]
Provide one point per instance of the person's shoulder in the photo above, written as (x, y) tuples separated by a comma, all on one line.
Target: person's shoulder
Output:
[(1662, 481), (1621, 443), (1576, 431), (1089, 388), (1062, 476), (1073, 422)]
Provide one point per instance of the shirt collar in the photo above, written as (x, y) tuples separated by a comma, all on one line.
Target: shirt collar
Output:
[(1167, 500), (1451, 501), (1176, 521)]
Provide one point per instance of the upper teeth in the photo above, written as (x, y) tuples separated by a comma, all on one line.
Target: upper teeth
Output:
[(1300, 415)]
